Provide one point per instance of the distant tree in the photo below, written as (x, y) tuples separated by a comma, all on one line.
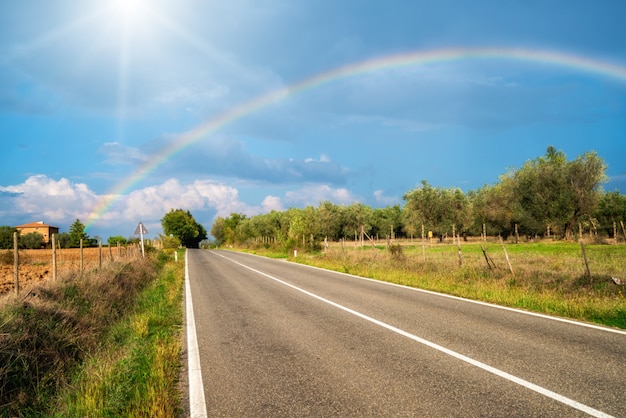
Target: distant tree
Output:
[(386, 219), (437, 209), (182, 225), (6, 237), (32, 240), (114, 240), (355, 216), (64, 240), (218, 230), (330, 218), (550, 191), (611, 208), (77, 232)]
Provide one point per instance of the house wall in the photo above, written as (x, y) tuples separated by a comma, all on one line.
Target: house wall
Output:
[(44, 230)]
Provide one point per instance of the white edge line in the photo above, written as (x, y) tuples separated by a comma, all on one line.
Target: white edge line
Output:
[(477, 302), (197, 403), (536, 388)]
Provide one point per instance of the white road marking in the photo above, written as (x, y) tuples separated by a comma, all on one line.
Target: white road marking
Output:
[(197, 403), (536, 388), (478, 302)]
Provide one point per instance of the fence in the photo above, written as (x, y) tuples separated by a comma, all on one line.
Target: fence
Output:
[(20, 267)]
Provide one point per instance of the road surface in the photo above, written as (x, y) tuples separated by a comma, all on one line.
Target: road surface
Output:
[(277, 339)]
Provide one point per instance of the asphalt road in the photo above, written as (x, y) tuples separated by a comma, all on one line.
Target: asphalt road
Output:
[(280, 339)]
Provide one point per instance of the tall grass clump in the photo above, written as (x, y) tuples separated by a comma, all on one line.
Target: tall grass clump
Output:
[(67, 331)]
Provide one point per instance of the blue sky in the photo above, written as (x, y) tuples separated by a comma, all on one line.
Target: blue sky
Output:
[(93, 92)]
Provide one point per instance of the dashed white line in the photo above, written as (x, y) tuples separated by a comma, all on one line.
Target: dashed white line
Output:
[(536, 388)]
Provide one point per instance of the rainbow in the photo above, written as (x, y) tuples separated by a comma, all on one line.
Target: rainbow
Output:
[(183, 141)]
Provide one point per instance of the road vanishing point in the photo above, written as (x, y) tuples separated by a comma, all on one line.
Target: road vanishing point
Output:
[(270, 338)]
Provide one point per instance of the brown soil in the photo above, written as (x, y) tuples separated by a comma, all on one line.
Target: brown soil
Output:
[(36, 265)]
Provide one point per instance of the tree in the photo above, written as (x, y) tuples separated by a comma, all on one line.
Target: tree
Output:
[(32, 240), (64, 240), (218, 230), (437, 209), (6, 237), (182, 225), (550, 191), (114, 240), (386, 219), (611, 208), (77, 232)]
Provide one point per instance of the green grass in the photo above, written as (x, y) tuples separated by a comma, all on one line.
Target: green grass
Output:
[(136, 372), (105, 343)]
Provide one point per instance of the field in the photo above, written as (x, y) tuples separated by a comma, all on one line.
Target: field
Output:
[(36, 265)]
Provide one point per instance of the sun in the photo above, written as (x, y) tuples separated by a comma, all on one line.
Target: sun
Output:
[(129, 10)]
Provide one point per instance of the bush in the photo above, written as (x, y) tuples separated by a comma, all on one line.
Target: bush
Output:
[(6, 257), (396, 252), (33, 240)]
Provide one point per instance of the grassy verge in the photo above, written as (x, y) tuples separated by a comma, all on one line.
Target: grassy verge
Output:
[(547, 277), (103, 344)]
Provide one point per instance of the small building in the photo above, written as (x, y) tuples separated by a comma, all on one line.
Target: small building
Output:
[(39, 227)]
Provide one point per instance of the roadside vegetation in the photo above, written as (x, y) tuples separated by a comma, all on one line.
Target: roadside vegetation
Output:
[(104, 343)]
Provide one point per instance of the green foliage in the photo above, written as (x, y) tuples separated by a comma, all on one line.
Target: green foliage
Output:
[(117, 239), (548, 191), (436, 208), (169, 242), (611, 208), (6, 237), (63, 239), (182, 225), (77, 232), (31, 240)]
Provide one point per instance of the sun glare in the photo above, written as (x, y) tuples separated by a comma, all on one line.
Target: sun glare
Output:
[(129, 9)]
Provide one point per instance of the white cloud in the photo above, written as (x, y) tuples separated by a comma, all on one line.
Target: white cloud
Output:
[(119, 154), (62, 201), (49, 200), (380, 197), (271, 203), (313, 195)]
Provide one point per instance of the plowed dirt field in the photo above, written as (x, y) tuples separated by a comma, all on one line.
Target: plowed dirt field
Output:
[(36, 265)]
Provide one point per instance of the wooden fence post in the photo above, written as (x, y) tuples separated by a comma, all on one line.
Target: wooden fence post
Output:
[(458, 240), (54, 257), (486, 257), (506, 255), (100, 254), (16, 264), (82, 257)]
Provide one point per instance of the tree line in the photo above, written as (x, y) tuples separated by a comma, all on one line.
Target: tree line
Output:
[(546, 196)]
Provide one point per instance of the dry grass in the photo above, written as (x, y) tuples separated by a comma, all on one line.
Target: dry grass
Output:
[(46, 332)]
